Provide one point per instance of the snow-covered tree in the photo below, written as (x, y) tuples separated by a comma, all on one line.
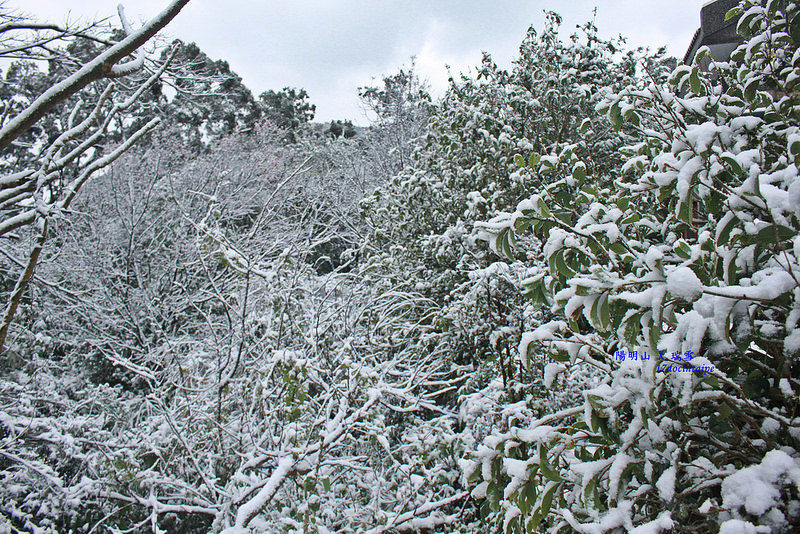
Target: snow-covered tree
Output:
[(210, 102), (44, 186), (288, 108), (465, 169), (246, 386), (399, 112), (674, 279)]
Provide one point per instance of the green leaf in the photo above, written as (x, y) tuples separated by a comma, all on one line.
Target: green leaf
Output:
[(714, 199), (733, 271), (771, 117), (625, 479), (589, 490), (561, 267), (617, 248), (724, 232), (774, 233), (794, 28), (536, 518), (545, 467), (756, 384), (682, 249), (595, 313), (600, 312), (519, 160), (493, 495), (521, 224), (632, 218), (594, 402), (735, 12), (504, 242), (533, 159), (527, 497), (632, 117), (579, 172), (543, 208), (772, 6), (632, 327), (678, 75), (606, 431), (616, 116), (794, 147), (751, 88), (694, 81), (547, 498), (685, 211), (605, 311), (654, 335), (745, 24), (589, 191)]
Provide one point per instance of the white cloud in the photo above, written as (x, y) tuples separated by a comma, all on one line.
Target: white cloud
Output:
[(331, 47)]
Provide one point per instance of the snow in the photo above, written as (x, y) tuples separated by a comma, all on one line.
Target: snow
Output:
[(542, 333), (252, 507), (615, 472), (700, 136), (467, 467), (687, 174), (770, 426), (748, 122), (662, 523), (791, 345), (756, 487), (793, 200), (785, 387), (518, 471), (293, 409), (666, 484), (551, 370), (770, 286), (653, 257), (612, 519), (683, 283), (737, 526), (535, 434)]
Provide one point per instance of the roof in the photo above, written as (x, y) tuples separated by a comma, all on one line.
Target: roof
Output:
[(714, 29)]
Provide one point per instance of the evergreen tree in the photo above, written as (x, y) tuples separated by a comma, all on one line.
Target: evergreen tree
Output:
[(677, 285), (288, 109)]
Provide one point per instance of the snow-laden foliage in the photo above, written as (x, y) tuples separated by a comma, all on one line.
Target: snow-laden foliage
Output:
[(675, 278), (218, 343), (464, 171)]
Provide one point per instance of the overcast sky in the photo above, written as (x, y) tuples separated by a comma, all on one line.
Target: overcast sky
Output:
[(332, 47)]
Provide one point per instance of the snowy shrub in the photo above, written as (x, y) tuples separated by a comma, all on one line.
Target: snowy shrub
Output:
[(464, 171), (686, 254)]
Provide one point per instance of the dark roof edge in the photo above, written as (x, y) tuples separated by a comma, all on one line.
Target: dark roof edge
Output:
[(694, 46)]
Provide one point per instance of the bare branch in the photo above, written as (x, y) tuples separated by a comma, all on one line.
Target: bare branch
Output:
[(100, 67)]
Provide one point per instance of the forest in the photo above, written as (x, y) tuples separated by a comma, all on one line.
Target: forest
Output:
[(562, 298)]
